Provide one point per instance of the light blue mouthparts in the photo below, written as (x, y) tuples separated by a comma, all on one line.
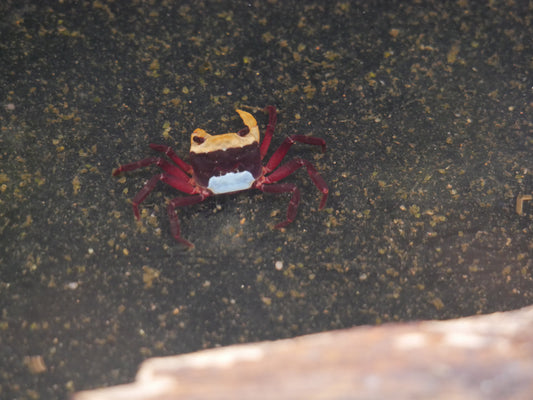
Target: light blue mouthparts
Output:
[(231, 182)]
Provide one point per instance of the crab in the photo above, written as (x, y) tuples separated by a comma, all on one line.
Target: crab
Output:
[(228, 163)]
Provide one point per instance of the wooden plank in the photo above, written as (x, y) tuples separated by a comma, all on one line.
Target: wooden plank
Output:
[(481, 357)]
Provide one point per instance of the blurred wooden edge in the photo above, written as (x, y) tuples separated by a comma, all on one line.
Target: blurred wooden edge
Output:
[(520, 199), (480, 357)]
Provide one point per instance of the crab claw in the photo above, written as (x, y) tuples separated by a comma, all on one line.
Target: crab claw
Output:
[(250, 122)]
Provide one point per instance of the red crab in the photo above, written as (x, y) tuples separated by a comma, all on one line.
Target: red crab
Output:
[(228, 163)]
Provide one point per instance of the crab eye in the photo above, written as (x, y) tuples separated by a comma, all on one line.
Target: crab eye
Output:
[(198, 139), (244, 132)]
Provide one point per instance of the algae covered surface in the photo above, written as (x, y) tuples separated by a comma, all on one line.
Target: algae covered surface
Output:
[(426, 108)]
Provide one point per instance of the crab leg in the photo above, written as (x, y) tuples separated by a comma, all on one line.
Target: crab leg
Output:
[(282, 150), (173, 217), (272, 120), (136, 165), (141, 195), (173, 181), (293, 203), (288, 168), (169, 152), (160, 162)]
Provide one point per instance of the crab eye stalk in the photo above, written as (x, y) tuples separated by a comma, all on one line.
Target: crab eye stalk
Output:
[(243, 132), (198, 139)]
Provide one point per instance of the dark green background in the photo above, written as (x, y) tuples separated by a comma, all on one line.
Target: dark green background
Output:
[(426, 108)]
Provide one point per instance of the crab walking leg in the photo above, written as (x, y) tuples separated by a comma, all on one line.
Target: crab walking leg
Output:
[(288, 168), (141, 195), (169, 152), (175, 182), (293, 203), (160, 162), (173, 217), (282, 150), (272, 120), (136, 165)]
